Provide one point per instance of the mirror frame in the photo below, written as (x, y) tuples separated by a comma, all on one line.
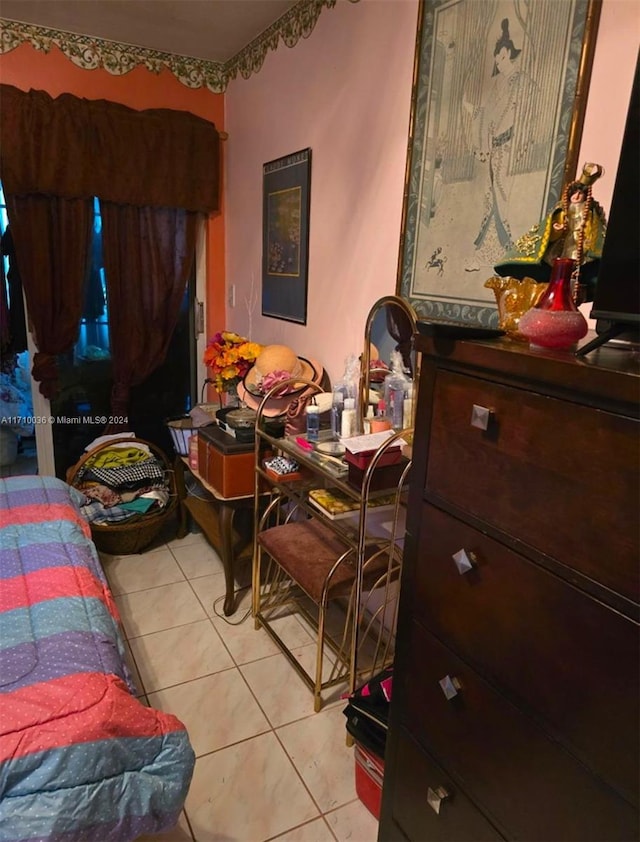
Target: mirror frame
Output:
[(365, 359)]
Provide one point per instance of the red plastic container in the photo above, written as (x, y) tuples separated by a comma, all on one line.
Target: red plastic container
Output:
[(361, 460), (369, 775)]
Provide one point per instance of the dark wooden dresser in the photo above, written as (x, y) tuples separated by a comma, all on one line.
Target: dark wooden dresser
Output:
[(515, 705)]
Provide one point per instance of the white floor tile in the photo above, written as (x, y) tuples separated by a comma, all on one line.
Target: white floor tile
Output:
[(353, 823), (129, 573), (174, 656), (197, 559), (248, 792), (317, 747), (283, 695), (267, 766), (211, 589), (315, 831), (246, 643), (217, 710), (160, 608)]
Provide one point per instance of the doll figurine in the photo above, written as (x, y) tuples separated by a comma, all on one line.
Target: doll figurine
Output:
[(575, 228)]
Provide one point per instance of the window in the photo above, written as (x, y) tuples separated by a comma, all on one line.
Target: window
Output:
[(93, 336)]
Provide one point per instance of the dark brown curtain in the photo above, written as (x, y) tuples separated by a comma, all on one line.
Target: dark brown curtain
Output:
[(55, 156), (51, 238), (148, 256), (14, 332), (74, 147)]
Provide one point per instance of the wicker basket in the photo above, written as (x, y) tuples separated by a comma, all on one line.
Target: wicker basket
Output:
[(140, 530)]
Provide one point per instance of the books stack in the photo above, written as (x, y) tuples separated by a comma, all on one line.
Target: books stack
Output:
[(334, 504)]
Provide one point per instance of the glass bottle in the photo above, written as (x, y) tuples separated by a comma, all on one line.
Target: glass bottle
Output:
[(396, 386), (555, 321)]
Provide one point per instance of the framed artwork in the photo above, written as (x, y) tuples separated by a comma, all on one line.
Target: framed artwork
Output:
[(497, 111), (285, 236)]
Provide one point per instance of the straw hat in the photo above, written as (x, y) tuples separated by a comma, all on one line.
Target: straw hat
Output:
[(274, 363)]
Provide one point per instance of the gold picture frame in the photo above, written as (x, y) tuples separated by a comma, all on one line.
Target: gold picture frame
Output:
[(499, 94)]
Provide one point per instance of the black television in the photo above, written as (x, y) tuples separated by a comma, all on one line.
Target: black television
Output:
[(616, 300)]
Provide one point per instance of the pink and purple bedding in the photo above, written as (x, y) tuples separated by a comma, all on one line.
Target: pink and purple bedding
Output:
[(81, 759)]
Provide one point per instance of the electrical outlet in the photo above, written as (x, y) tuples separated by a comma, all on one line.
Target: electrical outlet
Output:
[(231, 295)]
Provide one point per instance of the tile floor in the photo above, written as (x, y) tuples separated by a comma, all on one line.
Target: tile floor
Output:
[(268, 767)]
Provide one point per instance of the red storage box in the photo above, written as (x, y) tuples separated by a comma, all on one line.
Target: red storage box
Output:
[(361, 460), (369, 775)]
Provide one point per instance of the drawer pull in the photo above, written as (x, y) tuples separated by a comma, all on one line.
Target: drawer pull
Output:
[(435, 797), (450, 686), (481, 417), (464, 561)]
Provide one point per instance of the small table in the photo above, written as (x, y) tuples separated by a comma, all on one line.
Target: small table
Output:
[(216, 519)]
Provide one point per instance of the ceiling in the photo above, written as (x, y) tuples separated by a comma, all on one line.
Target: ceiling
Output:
[(214, 30)]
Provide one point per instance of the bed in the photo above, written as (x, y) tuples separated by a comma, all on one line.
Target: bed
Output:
[(81, 759)]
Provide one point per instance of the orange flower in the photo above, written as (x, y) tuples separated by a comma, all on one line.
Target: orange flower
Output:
[(229, 356)]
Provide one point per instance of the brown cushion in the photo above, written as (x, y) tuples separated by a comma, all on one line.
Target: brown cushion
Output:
[(307, 550)]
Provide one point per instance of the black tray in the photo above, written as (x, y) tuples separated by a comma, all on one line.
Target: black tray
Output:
[(224, 442)]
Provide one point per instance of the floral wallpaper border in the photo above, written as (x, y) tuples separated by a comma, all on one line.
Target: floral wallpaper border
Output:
[(91, 53)]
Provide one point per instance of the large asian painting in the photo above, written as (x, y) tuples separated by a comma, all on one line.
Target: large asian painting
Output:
[(497, 112)]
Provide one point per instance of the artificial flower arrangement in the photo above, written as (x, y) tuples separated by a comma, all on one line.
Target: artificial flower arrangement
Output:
[(229, 357)]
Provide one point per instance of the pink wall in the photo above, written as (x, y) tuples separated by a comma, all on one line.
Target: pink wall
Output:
[(345, 92), (613, 68)]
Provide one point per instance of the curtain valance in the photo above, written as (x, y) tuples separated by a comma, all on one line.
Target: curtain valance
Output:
[(78, 148)]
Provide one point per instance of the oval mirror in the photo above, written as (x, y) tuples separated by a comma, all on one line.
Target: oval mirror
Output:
[(390, 326)]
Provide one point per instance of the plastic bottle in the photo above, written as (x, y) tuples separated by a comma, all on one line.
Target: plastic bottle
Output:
[(407, 413), (348, 423), (396, 388), (313, 420), (337, 405)]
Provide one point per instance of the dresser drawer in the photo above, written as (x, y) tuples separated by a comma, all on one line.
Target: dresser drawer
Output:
[(564, 493), (565, 655), (510, 769), (421, 781)]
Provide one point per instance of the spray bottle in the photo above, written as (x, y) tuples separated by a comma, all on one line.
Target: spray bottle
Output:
[(396, 389)]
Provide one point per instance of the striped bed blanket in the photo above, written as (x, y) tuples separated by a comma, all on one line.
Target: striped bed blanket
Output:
[(81, 759)]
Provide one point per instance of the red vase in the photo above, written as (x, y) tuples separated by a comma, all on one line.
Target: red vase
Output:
[(555, 321)]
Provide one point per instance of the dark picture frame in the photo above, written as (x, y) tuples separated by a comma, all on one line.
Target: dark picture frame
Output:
[(498, 105), (285, 236)]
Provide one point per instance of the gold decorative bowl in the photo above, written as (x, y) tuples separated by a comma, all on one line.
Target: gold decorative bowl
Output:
[(514, 296)]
